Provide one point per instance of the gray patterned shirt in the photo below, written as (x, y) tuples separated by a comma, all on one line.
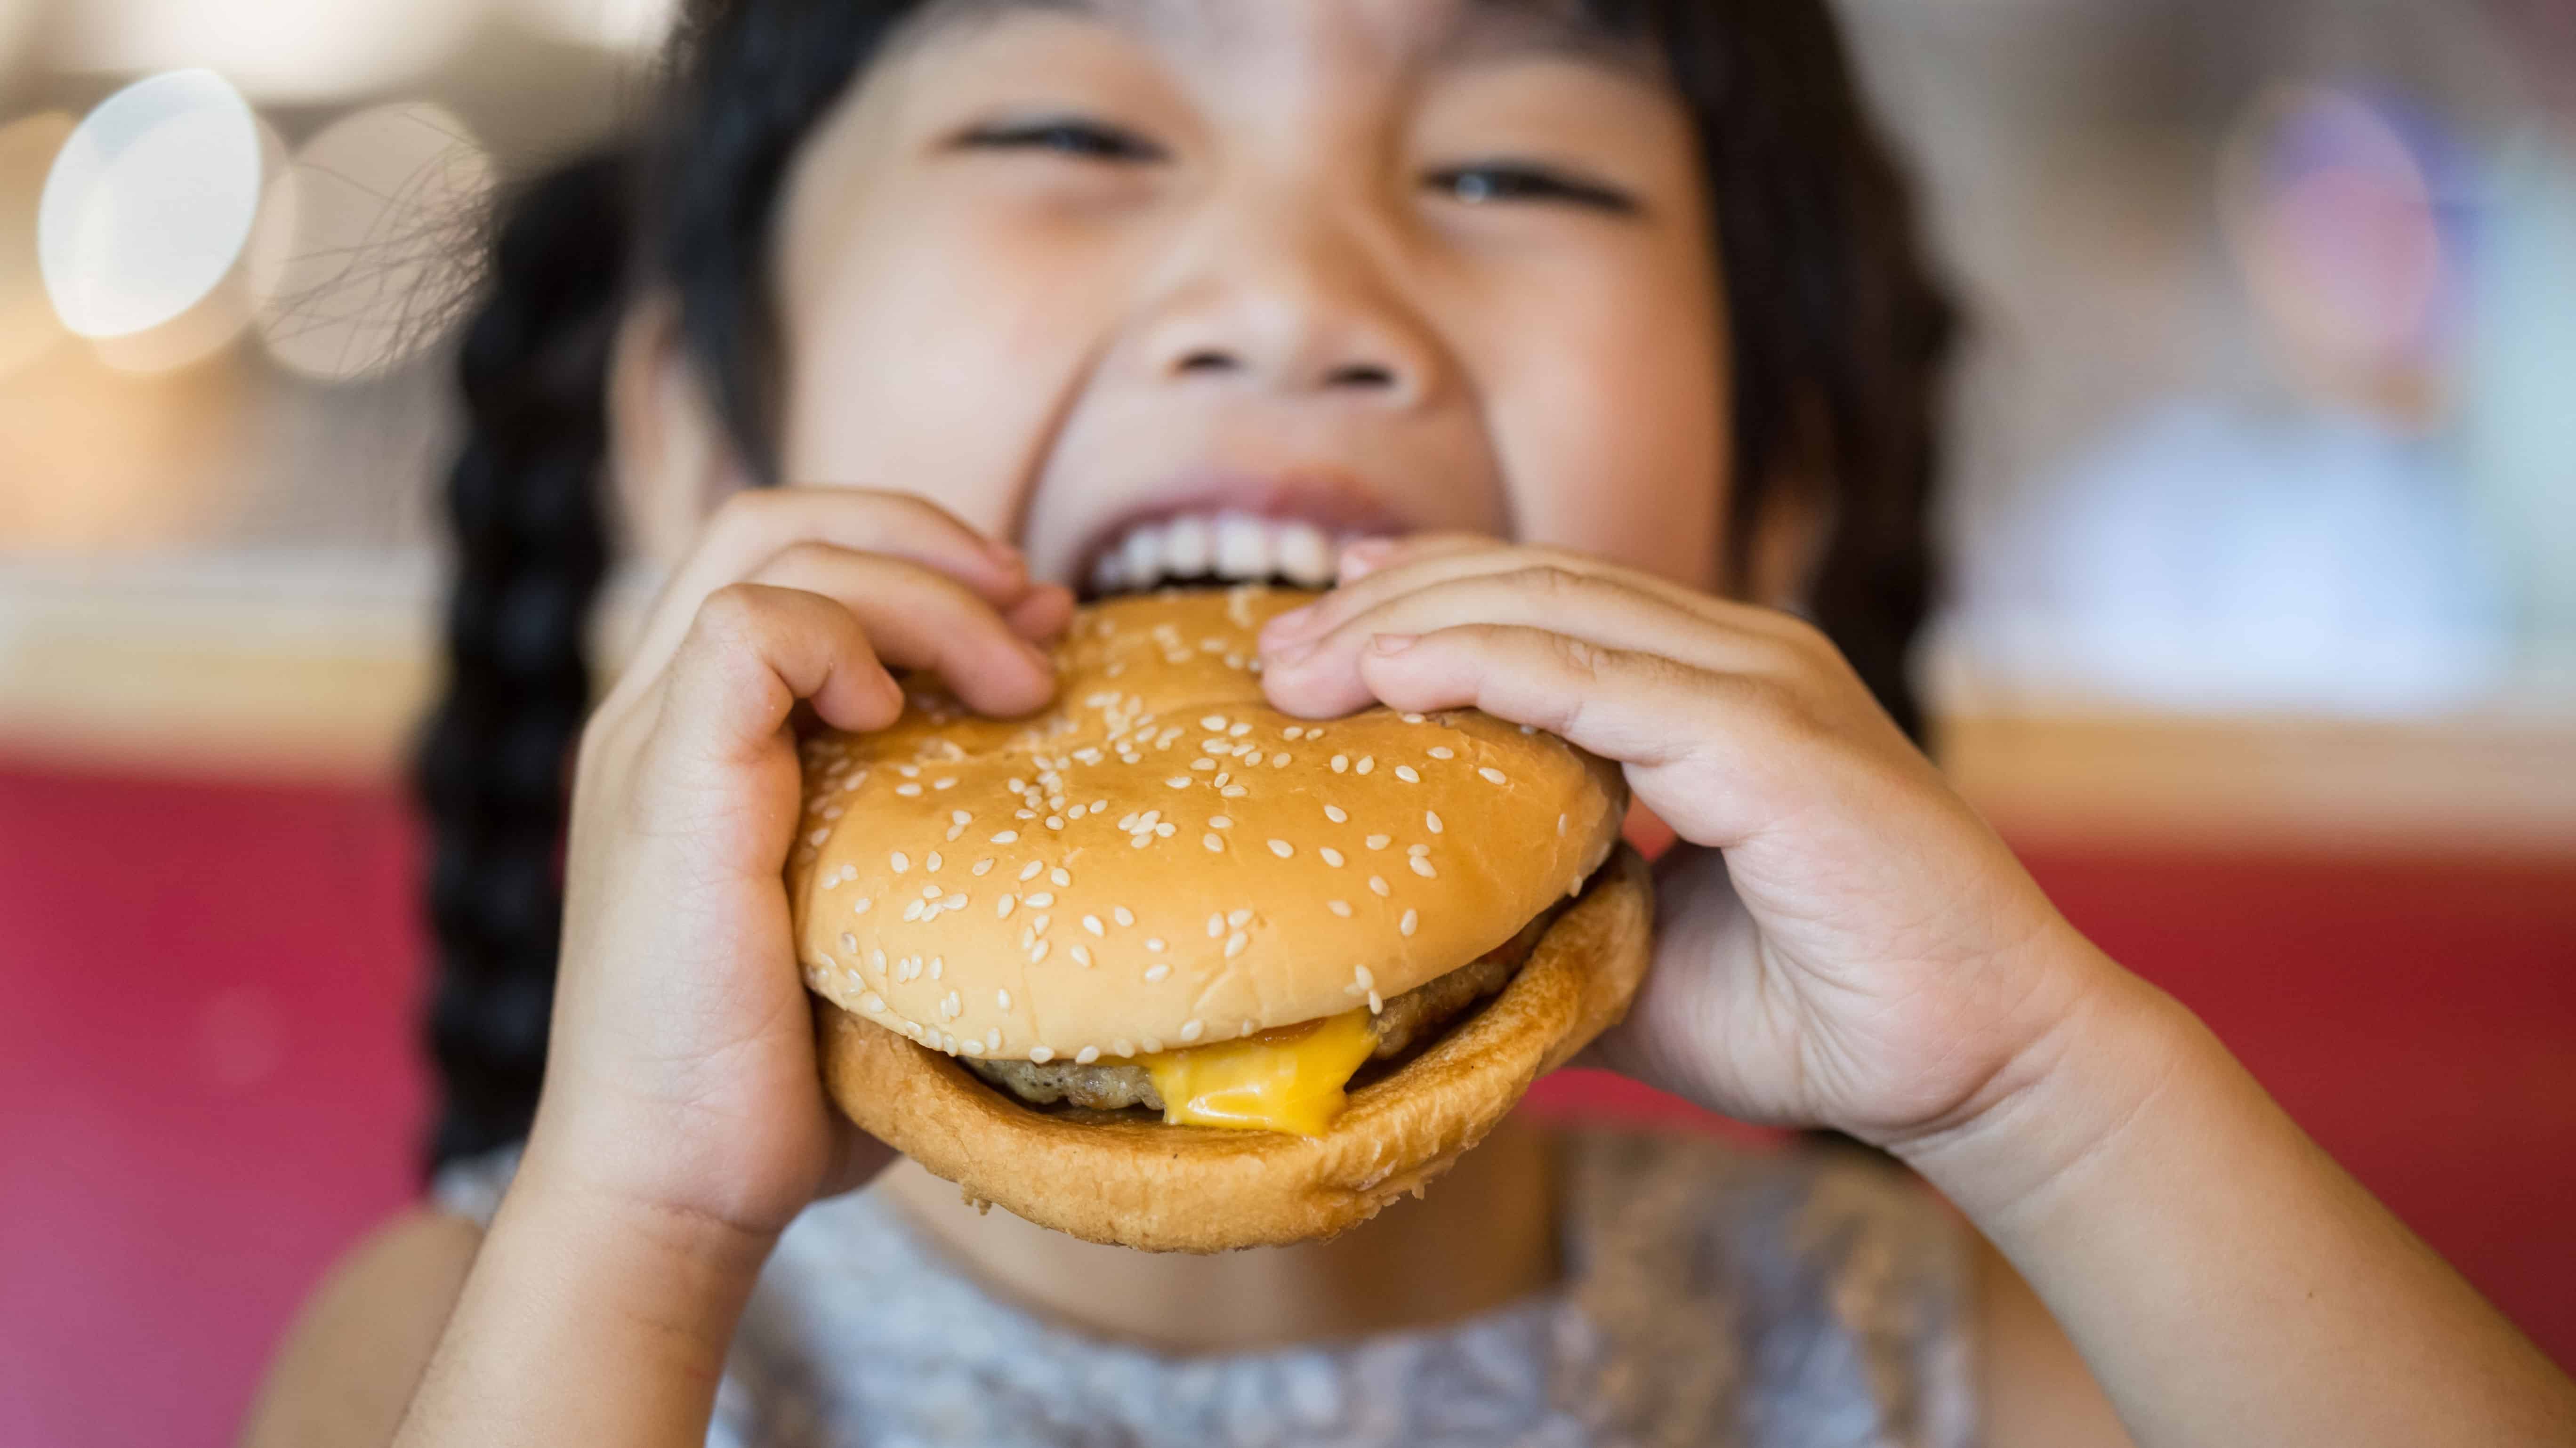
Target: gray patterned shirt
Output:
[(1717, 1297)]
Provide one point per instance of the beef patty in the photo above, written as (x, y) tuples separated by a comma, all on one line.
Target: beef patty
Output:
[(1411, 1018)]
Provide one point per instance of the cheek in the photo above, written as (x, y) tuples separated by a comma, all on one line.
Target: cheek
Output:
[(933, 359), (1608, 401)]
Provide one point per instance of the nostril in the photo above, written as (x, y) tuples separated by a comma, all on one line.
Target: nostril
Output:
[(1208, 361), (1360, 375)]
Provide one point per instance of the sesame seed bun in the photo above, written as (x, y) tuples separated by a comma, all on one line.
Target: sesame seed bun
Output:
[(1164, 861), (1163, 1188)]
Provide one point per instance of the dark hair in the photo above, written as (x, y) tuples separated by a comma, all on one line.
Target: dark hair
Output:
[(1839, 335)]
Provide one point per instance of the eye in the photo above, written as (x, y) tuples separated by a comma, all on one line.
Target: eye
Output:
[(1492, 181), (1068, 136)]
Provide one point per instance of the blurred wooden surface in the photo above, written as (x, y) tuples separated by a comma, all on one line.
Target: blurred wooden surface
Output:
[(298, 670)]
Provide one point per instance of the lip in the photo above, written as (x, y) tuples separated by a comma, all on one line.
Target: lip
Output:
[(1332, 499)]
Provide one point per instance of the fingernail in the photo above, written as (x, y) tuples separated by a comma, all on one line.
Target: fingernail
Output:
[(1287, 658), (1361, 557), (1290, 624), (1387, 645)]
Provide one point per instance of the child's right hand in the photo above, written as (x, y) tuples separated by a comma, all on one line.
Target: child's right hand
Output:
[(680, 1076)]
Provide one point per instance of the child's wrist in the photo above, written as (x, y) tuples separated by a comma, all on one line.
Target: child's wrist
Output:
[(2108, 1045)]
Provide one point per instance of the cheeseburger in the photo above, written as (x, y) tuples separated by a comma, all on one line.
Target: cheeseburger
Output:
[(1167, 968)]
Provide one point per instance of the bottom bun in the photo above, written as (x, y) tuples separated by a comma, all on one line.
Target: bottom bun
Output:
[(1197, 1189)]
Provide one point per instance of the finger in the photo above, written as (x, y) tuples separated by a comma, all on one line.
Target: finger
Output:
[(920, 619), (1717, 755), (1321, 678), (1364, 556), (1449, 557), (754, 526), (751, 653)]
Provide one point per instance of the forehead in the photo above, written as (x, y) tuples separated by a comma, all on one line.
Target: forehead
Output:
[(1413, 34)]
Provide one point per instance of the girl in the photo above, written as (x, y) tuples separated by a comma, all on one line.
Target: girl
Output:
[(1599, 330)]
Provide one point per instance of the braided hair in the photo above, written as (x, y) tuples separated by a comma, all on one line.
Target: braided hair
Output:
[(1839, 334)]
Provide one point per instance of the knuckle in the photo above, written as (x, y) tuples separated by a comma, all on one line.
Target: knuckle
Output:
[(732, 614), (1553, 582)]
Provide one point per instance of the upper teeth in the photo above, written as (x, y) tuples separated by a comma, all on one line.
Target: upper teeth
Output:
[(1221, 545)]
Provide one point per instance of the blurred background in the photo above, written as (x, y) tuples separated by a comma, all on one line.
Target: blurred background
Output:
[(2261, 641)]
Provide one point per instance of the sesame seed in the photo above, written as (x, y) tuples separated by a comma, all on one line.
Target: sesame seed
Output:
[(1367, 763), (1082, 956), (907, 790), (948, 783), (1293, 731), (849, 941), (1493, 775), (1339, 907), (1408, 774), (932, 864), (1152, 1044), (860, 905), (1086, 1055), (1377, 885), (938, 966), (993, 1040), (1032, 870), (1216, 926), (1123, 915), (1412, 718), (1405, 926), (1234, 944), (1193, 1031), (1178, 781), (929, 892), (1332, 857), (1431, 820), (912, 910), (1213, 721), (1042, 899), (1422, 867), (872, 1003), (1037, 952), (1341, 763), (1060, 877), (950, 1007), (1154, 974), (1239, 918), (1380, 842), (1443, 751), (1279, 761), (1039, 925), (1002, 998), (1202, 764), (900, 861), (1007, 837), (1417, 849), (1235, 792), (1002, 907), (1238, 729), (1092, 924), (1282, 848), (1040, 1055), (953, 902), (1122, 1048), (1215, 843), (983, 866), (1376, 1006), (1055, 822)]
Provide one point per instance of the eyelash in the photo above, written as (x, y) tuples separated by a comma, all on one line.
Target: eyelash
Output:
[(1476, 185), (1507, 181), (1081, 140)]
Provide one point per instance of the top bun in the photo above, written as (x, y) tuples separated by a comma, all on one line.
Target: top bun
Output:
[(1162, 859)]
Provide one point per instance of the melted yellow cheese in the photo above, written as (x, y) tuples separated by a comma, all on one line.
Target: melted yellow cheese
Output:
[(1286, 1080)]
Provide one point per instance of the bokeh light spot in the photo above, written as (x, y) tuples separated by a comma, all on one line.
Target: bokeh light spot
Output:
[(149, 204)]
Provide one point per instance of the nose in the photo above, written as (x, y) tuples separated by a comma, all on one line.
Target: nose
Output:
[(1291, 303)]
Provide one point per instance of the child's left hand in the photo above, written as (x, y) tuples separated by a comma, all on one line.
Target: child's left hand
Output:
[(1842, 942)]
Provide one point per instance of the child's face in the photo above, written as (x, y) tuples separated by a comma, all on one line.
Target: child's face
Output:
[(1353, 266)]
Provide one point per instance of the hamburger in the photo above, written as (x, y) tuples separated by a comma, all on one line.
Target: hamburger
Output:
[(1166, 968)]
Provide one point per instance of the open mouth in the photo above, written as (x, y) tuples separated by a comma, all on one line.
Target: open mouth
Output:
[(1213, 548)]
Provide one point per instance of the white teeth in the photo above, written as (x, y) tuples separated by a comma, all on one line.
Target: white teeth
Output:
[(1242, 547), (1304, 554), (1185, 548), (1233, 546)]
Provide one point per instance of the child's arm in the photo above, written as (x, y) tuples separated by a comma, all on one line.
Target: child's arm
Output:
[(1843, 943), (2228, 1282), (682, 1125)]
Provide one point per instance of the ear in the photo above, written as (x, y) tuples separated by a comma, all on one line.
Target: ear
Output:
[(670, 459)]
